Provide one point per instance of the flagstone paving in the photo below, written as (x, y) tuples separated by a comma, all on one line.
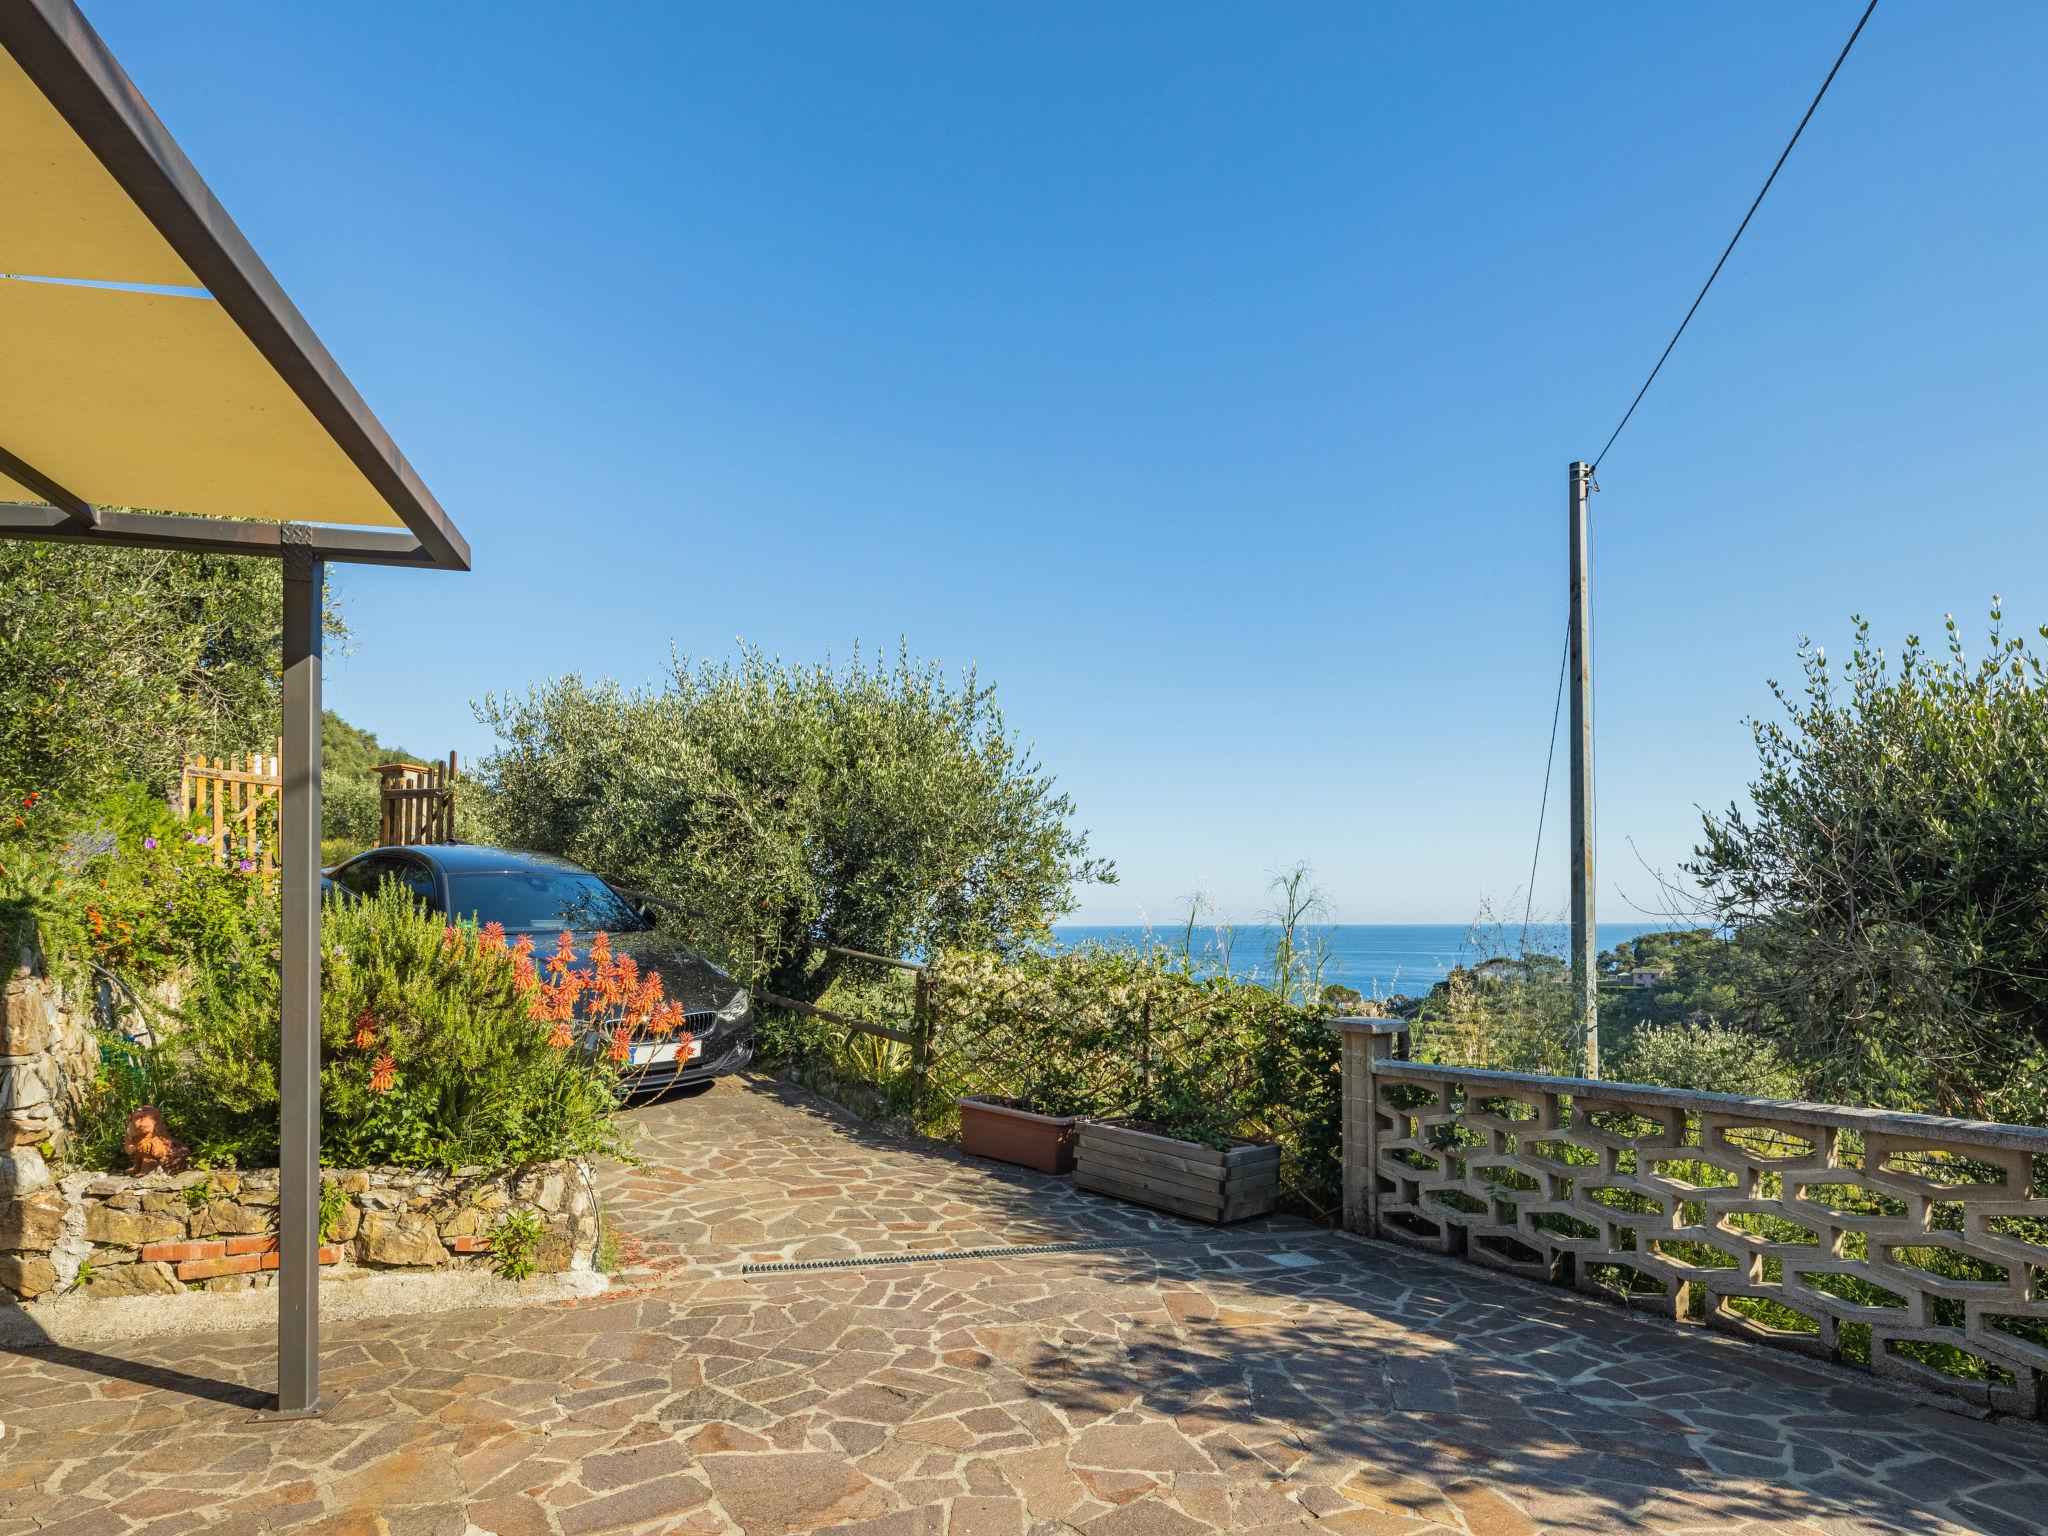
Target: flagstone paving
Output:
[(1284, 1379)]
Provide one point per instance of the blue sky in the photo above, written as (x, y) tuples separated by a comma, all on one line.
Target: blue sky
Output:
[(1207, 376)]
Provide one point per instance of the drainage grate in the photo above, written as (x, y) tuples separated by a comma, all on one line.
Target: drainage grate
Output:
[(1008, 1251)]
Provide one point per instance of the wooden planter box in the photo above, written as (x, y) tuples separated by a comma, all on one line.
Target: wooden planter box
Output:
[(1183, 1177), (1012, 1135)]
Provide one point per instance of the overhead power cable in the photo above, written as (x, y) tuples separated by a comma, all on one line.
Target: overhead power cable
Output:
[(1738, 231), (1543, 810)]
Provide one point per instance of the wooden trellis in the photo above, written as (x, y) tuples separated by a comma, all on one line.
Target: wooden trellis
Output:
[(416, 802), (235, 801)]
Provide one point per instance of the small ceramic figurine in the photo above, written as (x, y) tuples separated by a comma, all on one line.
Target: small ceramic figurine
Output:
[(149, 1146)]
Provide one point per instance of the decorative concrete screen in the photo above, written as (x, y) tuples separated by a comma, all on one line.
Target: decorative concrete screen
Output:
[(1912, 1244)]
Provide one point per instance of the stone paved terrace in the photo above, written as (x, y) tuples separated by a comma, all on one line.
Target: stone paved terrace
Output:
[(1279, 1379)]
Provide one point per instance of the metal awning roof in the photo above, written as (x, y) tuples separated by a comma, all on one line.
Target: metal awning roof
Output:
[(194, 388), (213, 399)]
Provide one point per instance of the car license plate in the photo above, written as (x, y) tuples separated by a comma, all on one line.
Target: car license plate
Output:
[(654, 1055)]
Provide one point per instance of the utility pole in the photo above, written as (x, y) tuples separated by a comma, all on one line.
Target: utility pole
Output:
[(1585, 941)]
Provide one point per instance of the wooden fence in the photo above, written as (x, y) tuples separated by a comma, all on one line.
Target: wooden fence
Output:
[(236, 798), (918, 1037), (416, 802)]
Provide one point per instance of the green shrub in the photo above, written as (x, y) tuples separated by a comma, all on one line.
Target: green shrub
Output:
[(1130, 1032), (1890, 872), (333, 1201), (1708, 1058), (514, 1242), (128, 887), (351, 809), (431, 1056), (1515, 1015)]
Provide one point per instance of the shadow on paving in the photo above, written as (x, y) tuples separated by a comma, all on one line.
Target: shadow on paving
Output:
[(1422, 1377), (167, 1378), (1435, 1373)]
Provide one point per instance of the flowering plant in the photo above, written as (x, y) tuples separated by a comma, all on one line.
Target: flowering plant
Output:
[(446, 1045), (127, 886), (610, 1005), (438, 1047)]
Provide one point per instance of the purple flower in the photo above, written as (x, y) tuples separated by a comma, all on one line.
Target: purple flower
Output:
[(149, 843), (246, 865)]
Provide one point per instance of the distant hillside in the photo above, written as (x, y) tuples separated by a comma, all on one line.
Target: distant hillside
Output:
[(348, 789), (346, 748)]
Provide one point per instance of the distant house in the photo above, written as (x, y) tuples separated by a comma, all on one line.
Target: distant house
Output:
[(1646, 976)]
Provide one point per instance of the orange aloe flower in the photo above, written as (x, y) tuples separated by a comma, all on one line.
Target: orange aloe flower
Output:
[(565, 953), (561, 1038), (620, 1047), (494, 936), (366, 1031), (383, 1073), (648, 998)]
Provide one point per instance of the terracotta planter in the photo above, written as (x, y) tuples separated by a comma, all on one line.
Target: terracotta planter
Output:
[(1012, 1135), (1184, 1177)]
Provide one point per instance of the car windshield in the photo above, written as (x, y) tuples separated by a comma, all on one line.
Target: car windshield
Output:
[(540, 901)]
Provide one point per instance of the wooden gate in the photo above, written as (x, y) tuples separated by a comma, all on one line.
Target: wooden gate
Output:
[(236, 798), (417, 802)]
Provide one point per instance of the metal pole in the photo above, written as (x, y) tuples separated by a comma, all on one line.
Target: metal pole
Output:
[(298, 1201), (1585, 941)]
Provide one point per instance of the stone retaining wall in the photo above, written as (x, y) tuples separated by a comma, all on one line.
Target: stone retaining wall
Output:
[(47, 1057), (47, 1060), (102, 1235)]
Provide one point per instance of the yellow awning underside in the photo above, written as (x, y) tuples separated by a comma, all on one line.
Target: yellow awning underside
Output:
[(159, 401), (135, 399), (61, 214)]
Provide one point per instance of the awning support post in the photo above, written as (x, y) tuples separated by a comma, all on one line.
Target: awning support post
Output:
[(298, 1202)]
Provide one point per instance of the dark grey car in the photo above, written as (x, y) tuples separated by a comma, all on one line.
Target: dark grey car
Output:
[(543, 897)]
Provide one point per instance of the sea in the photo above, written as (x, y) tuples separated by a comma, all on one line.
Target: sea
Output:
[(1374, 959)]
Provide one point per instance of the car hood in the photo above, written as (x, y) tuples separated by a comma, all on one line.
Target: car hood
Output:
[(686, 976)]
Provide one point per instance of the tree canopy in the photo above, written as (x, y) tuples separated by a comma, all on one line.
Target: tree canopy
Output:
[(877, 807), (116, 664), (1891, 874)]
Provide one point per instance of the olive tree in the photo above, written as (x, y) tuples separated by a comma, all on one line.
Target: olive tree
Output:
[(785, 807), (1891, 872), (115, 664)]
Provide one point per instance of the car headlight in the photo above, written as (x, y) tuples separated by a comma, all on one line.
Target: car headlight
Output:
[(736, 1008)]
